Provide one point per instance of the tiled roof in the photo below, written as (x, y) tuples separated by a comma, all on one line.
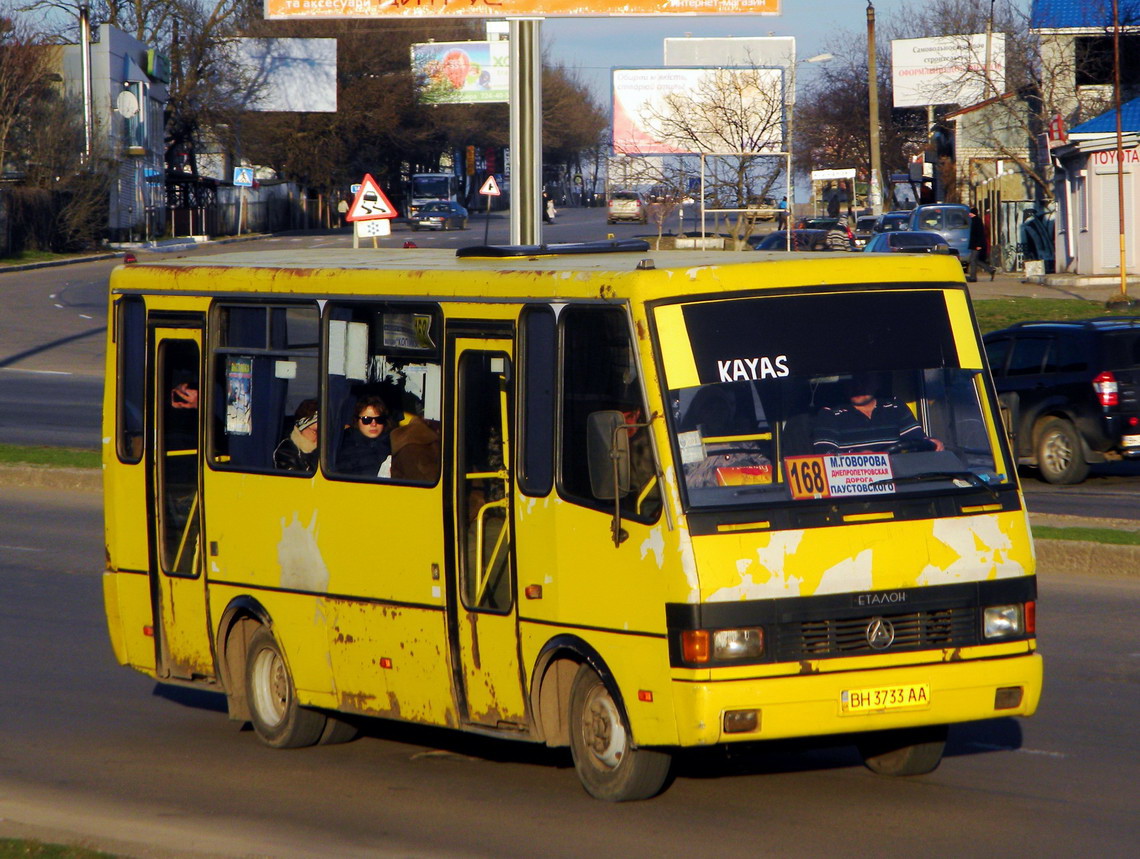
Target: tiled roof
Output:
[(1081, 14), (1106, 122)]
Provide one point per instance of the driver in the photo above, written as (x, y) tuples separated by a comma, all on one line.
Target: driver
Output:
[(869, 423)]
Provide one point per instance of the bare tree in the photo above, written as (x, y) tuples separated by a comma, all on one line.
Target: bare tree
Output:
[(733, 119), (26, 69)]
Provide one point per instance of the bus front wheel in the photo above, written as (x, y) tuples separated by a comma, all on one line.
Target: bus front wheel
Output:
[(607, 763), (277, 718), (903, 752)]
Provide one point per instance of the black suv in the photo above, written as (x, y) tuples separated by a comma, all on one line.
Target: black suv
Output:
[(1069, 392)]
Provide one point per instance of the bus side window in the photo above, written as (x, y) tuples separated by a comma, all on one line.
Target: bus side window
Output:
[(265, 370), (130, 336), (599, 373), (538, 343), (389, 353)]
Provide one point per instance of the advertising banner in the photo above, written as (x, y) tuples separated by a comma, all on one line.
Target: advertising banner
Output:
[(946, 70), (299, 9), (462, 72), (666, 111)]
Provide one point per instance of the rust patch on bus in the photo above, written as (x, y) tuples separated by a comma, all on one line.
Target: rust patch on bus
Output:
[(642, 334), (807, 668)]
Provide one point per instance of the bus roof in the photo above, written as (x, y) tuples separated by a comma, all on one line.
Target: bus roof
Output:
[(427, 272)]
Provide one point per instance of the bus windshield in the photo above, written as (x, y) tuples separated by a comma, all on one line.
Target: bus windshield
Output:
[(431, 186), (844, 397)]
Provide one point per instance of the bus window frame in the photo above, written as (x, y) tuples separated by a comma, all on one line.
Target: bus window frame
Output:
[(603, 505), (215, 329), (376, 304), (129, 368)]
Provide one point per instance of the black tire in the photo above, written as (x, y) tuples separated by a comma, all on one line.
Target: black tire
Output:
[(903, 752), (277, 718), (337, 731), (1060, 454), (608, 764)]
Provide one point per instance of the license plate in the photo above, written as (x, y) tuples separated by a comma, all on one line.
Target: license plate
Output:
[(1130, 441), (878, 698)]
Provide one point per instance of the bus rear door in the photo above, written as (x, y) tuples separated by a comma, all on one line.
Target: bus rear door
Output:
[(178, 595), (483, 615)]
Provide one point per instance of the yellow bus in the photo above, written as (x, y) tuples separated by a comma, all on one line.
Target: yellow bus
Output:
[(618, 502)]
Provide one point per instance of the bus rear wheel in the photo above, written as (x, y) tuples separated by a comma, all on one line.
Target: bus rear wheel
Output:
[(608, 765), (280, 722), (903, 752)]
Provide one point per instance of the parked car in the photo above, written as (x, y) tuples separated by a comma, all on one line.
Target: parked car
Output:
[(949, 220), (626, 206), (440, 215), (826, 224), (864, 229), (889, 222), (802, 240), (905, 242), (1069, 392)]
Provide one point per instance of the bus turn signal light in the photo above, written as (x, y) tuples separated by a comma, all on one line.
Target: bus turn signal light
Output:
[(695, 645)]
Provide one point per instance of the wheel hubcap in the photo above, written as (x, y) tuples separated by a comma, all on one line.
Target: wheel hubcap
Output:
[(271, 692), (1058, 453), (602, 729)]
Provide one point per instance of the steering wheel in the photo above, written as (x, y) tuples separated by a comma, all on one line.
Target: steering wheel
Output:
[(913, 445)]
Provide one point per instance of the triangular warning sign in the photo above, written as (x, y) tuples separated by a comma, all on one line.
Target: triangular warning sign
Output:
[(370, 203), (490, 188)]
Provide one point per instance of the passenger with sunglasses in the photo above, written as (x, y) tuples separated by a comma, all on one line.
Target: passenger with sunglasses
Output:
[(366, 444)]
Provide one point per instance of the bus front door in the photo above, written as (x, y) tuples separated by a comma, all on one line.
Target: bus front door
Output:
[(178, 595), (483, 620)]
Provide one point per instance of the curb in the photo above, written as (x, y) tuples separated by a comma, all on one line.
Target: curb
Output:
[(1070, 557), (49, 477), (155, 249)]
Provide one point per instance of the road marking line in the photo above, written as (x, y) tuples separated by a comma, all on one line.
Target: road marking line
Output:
[(20, 548), (992, 748), (40, 372)]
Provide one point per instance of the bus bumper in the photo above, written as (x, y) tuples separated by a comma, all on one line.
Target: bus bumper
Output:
[(818, 703)]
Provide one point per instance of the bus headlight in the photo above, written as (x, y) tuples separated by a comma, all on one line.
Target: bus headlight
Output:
[(733, 644), (1003, 621), (703, 646)]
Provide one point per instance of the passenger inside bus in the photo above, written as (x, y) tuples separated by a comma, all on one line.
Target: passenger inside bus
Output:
[(298, 451), (367, 443), (868, 422), (415, 444)]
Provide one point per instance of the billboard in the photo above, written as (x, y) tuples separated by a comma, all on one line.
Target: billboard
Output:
[(288, 74), (665, 111), (946, 69), (731, 51), (462, 72), (299, 9)]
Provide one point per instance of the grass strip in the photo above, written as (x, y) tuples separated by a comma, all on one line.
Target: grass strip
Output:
[(1088, 535), (11, 848), (49, 457), (995, 313)]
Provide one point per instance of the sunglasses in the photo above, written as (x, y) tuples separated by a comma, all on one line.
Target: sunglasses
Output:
[(368, 420)]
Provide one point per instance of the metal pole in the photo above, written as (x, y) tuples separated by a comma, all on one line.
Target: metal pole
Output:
[(526, 131), (1119, 152), (874, 192), (85, 63), (789, 218)]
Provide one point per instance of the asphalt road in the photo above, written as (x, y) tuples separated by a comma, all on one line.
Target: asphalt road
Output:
[(91, 752)]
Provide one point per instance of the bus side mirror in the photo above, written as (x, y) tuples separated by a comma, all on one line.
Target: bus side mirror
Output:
[(607, 452)]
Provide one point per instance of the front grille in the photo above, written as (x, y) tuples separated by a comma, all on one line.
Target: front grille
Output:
[(922, 630)]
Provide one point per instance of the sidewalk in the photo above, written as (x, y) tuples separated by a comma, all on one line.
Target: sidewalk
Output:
[(118, 249)]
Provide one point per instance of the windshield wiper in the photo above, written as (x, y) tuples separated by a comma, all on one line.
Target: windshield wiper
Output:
[(957, 477)]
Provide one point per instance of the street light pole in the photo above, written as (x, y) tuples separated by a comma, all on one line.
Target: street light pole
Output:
[(874, 194)]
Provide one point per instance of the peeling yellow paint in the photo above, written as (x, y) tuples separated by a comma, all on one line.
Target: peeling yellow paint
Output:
[(302, 567)]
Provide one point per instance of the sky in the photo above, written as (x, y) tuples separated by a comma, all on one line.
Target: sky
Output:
[(595, 45)]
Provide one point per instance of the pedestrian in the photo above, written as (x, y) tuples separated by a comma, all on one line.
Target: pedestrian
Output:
[(782, 214), (979, 248), (838, 237), (547, 208)]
